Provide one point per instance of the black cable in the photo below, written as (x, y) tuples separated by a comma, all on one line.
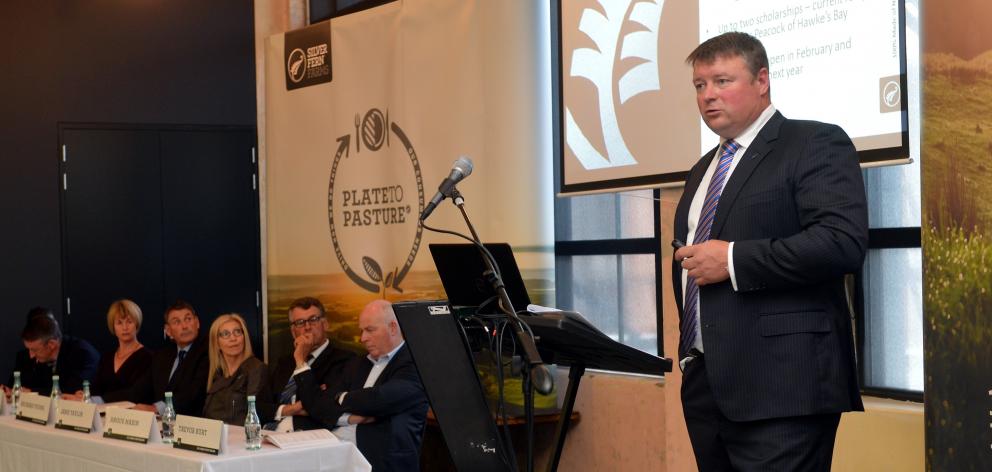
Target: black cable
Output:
[(501, 399), (477, 244)]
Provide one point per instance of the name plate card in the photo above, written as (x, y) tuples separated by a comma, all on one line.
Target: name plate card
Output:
[(200, 434), (130, 425), (75, 416), (34, 408)]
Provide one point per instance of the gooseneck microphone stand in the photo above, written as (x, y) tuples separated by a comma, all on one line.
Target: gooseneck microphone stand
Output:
[(534, 375)]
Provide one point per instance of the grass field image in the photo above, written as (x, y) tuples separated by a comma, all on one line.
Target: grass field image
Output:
[(957, 251)]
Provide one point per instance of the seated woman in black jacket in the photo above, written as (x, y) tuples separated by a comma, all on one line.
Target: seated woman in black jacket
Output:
[(235, 372), (118, 372)]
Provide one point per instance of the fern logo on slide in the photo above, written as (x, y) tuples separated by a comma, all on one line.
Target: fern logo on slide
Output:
[(619, 58), (889, 94)]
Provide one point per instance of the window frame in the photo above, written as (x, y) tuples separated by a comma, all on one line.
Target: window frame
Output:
[(881, 238), (566, 247)]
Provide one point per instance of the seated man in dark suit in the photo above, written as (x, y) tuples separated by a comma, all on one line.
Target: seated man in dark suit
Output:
[(50, 353), (381, 404), (182, 369), (308, 324), (22, 360)]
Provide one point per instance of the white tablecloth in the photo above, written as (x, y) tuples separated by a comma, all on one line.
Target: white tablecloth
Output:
[(31, 447)]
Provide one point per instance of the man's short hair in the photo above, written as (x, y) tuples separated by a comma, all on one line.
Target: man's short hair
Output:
[(41, 328), (176, 306), (305, 303), (731, 44), (39, 311)]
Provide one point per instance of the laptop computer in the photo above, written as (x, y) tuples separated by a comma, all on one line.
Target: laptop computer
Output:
[(461, 269)]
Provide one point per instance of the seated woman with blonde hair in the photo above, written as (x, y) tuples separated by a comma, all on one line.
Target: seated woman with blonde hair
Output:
[(235, 372), (117, 373)]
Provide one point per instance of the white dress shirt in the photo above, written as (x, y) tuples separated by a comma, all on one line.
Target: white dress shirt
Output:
[(696, 207)]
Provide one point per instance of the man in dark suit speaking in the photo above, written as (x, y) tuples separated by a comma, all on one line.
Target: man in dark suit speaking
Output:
[(773, 217), (381, 404)]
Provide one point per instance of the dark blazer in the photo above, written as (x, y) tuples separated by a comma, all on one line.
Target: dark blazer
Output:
[(116, 386), (782, 344), (328, 369), (227, 397), (31, 371), (188, 385), (77, 361), (397, 401)]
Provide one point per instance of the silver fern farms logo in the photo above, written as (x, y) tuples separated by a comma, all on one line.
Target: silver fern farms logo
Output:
[(615, 59), (307, 53), (374, 195)]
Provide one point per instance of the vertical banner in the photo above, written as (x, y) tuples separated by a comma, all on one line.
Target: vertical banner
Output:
[(957, 242), (352, 160)]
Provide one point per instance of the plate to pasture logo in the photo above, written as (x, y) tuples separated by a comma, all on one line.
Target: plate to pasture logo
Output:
[(374, 195)]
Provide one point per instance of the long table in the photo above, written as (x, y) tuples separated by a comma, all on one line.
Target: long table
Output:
[(31, 447)]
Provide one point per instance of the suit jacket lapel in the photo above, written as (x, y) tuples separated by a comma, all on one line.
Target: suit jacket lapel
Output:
[(763, 144), (318, 363), (391, 366)]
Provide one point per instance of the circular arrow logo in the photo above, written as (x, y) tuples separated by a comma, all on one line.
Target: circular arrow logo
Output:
[(373, 199)]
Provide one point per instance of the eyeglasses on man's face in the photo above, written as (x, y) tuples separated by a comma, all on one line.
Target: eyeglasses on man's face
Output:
[(236, 332), (311, 320)]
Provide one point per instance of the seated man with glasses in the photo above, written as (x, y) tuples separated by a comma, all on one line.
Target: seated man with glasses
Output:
[(180, 369), (308, 325)]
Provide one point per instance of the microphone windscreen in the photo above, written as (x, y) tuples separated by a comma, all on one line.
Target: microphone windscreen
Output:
[(464, 165)]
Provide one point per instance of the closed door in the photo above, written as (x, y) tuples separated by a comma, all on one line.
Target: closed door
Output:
[(155, 215)]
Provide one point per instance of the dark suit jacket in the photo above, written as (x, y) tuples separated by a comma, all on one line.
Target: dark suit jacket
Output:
[(77, 361), (795, 209), (227, 397), (188, 385), (328, 369), (397, 401)]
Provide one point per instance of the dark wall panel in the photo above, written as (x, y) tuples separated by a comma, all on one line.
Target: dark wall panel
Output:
[(175, 62), (210, 235), (29, 239), (113, 237)]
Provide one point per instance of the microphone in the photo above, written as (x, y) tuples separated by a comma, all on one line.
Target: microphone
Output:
[(542, 380), (459, 170)]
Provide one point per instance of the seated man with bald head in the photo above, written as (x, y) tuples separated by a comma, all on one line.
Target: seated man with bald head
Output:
[(380, 404)]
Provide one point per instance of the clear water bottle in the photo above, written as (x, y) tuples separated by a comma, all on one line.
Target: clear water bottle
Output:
[(253, 427), (86, 392), (15, 394), (168, 420), (56, 392)]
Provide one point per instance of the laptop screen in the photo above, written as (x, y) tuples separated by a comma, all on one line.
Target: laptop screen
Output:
[(461, 269)]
